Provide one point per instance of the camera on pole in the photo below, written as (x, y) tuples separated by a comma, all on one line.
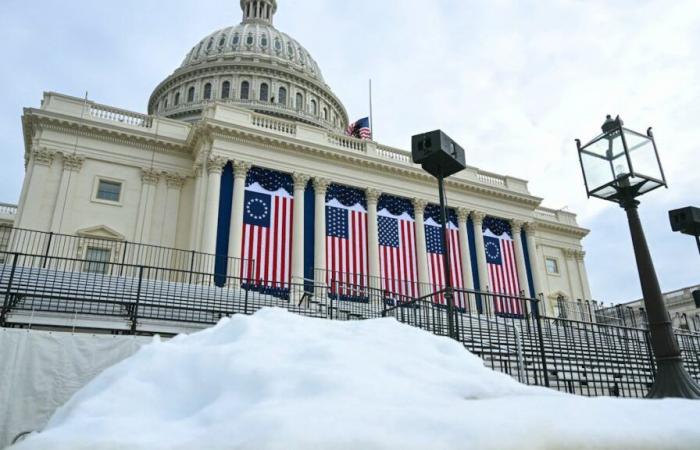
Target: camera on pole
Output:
[(441, 157), (686, 221)]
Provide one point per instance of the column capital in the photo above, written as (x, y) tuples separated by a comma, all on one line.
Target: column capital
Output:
[(300, 180), (372, 195), (478, 216), (197, 170), (462, 215), (570, 252), (419, 206), (73, 163), (174, 180), (216, 163), (241, 168), (516, 226), (580, 255), (150, 176), (530, 227), (43, 156), (321, 185)]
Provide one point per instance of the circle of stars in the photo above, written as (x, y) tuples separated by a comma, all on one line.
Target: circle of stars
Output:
[(252, 206), (492, 250)]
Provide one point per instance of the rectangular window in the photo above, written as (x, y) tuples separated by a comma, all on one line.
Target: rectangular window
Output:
[(552, 266), (97, 260), (109, 190)]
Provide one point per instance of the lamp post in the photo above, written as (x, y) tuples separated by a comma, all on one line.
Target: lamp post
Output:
[(620, 165), (441, 157)]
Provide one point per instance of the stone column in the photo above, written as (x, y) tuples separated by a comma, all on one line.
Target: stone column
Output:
[(320, 190), (300, 182), (583, 275), (174, 183), (531, 229), (373, 238), (235, 240), (40, 166), (467, 276), (149, 181), (421, 248), (478, 219), (197, 206), (215, 166), (72, 164), (516, 227)]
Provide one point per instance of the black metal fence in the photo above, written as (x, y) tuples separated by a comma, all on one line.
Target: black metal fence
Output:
[(507, 332)]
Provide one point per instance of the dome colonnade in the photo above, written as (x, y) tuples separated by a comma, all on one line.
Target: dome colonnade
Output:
[(253, 65)]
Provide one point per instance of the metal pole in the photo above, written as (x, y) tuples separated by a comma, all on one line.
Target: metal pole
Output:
[(7, 305), (46, 252), (135, 314), (672, 379), (449, 295), (697, 239)]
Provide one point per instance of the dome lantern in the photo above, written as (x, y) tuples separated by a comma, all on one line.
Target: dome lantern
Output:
[(261, 11)]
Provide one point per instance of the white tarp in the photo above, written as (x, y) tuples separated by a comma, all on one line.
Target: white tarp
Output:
[(40, 371)]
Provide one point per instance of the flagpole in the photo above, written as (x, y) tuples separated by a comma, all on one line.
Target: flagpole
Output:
[(371, 122)]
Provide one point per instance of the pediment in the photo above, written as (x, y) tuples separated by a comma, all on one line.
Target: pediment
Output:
[(101, 232)]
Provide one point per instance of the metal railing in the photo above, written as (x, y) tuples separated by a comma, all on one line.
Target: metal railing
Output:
[(507, 332)]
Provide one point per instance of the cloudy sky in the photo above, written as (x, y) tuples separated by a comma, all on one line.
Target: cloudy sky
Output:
[(514, 81)]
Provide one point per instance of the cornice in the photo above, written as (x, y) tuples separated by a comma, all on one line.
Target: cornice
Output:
[(221, 130), (559, 228), (85, 127)]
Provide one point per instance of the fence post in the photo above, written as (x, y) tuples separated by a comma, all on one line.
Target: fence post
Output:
[(6, 302), (46, 252), (191, 265), (121, 269), (247, 291), (540, 337), (135, 313)]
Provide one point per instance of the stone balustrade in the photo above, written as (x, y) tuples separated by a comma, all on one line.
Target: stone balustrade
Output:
[(119, 115)]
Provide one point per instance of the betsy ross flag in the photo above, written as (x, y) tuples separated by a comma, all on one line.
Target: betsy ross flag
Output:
[(346, 243), (436, 260), (502, 268), (360, 129), (397, 247), (267, 230)]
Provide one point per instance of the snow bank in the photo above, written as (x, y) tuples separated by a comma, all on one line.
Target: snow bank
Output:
[(281, 381)]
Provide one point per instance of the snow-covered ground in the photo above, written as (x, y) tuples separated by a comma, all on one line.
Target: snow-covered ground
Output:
[(280, 381)]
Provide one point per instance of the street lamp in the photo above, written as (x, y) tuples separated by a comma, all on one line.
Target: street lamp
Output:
[(441, 157), (620, 165)]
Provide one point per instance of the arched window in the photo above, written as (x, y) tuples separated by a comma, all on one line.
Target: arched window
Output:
[(177, 98), (325, 113), (313, 107), (282, 97), (225, 89), (190, 95), (165, 104), (245, 90), (264, 92), (207, 91), (300, 102)]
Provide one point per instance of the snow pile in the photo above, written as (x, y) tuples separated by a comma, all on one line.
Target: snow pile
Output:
[(281, 381)]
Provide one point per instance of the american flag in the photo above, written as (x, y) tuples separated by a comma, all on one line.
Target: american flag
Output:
[(436, 261), (360, 129), (346, 243), (267, 230), (502, 268), (397, 247)]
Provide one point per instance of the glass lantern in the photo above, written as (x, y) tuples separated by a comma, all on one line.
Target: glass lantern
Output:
[(620, 163)]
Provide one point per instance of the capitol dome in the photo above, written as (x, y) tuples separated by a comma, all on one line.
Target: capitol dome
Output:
[(252, 65)]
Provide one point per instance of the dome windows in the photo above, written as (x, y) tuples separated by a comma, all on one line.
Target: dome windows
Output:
[(263, 41), (282, 97), (210, 44), (325, 114), (300, 102), (245, 90), (222, 41), (278, 45), (264, 92), (226, 89), (207, 91), (314, 107), (236, 39), (177, 98), (190, 95), (290, 50), (302, 58), (249, 40)]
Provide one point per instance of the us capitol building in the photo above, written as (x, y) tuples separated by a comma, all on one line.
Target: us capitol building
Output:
[(248, 115)]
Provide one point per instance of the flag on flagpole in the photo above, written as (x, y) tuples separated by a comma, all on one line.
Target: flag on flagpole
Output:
[(346, 243), (360, 129), (502, 267), (267, 230)]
